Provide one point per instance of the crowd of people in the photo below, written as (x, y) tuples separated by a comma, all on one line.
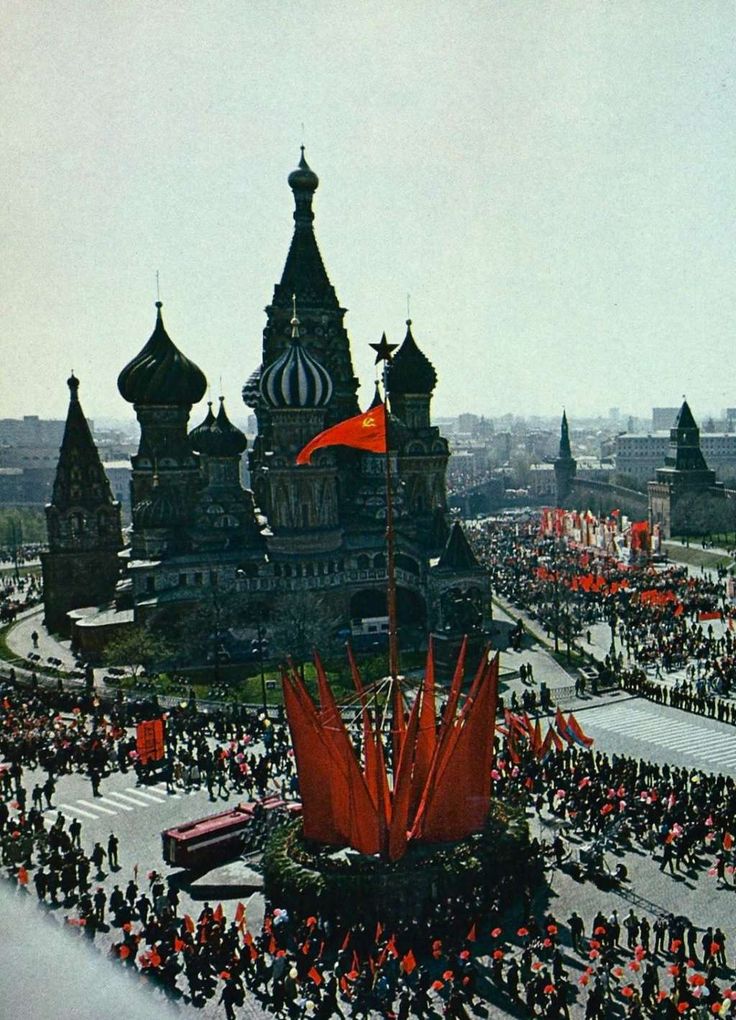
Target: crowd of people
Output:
[(463, 952), (662, 616), (299, 966), (18, 593)]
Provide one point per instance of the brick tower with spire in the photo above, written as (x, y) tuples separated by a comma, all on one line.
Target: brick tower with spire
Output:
[(685, 478), (81, 567), (565, 464)]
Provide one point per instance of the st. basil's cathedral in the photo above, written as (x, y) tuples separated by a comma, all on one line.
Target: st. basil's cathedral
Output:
[(318, 529)]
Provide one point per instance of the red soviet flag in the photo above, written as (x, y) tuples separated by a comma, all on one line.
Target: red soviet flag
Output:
[(365, 431)]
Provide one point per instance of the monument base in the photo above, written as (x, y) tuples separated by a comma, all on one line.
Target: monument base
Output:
[(447, 648), (351, 888)]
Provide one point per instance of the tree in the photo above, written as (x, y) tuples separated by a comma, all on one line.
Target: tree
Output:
[(697, 514), (521, 469), (19, 525), (303, 621), (212, 630), (138, 648)]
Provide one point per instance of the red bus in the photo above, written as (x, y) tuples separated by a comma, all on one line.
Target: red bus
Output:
[(217, 838)]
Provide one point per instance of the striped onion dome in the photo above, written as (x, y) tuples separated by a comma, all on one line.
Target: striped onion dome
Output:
[(296, 379)]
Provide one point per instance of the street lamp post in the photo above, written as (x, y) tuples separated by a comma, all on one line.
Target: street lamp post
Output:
[(216, 605), (613, 621), (261, 636), (17, 533)]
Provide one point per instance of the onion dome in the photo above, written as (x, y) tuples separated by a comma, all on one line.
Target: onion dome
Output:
[(218, 437), (163, 509), (303, 178), (161, 374), (411, 370), (296, 379), (202, 430), (252, 388)]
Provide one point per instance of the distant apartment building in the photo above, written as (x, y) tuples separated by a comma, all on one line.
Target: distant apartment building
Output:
[(29, 454), (638, 455), (118, 474), (663, 418)]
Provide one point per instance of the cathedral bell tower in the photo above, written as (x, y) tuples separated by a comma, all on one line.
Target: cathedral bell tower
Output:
[(81, 566)]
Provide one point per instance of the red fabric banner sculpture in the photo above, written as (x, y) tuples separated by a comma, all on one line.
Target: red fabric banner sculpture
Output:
[(344, 803)]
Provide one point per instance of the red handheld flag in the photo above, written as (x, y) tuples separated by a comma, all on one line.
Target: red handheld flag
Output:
[(408, 963), (365, 431)]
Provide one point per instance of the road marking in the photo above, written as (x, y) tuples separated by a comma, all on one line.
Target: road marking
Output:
[(115, 803), (132, 800), (169, 793), (78, 811), (97, 807), (144, 793), (692, 740)]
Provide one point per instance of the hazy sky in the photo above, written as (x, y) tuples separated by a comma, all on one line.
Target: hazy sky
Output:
[(553, 183)]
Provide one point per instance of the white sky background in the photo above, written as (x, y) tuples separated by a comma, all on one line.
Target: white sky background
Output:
[(553, 183)]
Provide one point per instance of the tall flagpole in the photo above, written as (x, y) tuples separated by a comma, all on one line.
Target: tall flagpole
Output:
[(383, 354), (393, 637)]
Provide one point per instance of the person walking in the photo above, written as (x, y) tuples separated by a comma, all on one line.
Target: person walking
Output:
[(131, 893), (100, 900), (97, 856), (49, 788), (112, 851), (75, 832), (39, 880)]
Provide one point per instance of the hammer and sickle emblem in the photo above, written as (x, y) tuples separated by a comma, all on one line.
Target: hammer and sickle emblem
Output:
[(369, 422)]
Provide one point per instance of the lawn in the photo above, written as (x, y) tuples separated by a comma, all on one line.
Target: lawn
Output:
[(694, 556)]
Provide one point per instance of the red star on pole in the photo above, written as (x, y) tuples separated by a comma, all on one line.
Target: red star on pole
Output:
[(383, 350)]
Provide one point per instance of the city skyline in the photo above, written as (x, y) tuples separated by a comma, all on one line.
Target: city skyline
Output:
[(551, 184)]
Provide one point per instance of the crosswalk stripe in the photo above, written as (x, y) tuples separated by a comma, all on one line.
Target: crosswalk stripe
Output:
[(145, 793), (131, 800), (78, 811), (161, 787), (677, 736), (115, 803), (97, 807)]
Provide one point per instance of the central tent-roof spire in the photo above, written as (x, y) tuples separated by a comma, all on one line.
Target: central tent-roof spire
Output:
[(304, 271)]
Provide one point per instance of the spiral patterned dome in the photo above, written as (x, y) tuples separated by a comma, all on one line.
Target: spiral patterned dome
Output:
[(411, 370), (252, 388), (296, 379), (161, 374), (217, 437), (162, 509)]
